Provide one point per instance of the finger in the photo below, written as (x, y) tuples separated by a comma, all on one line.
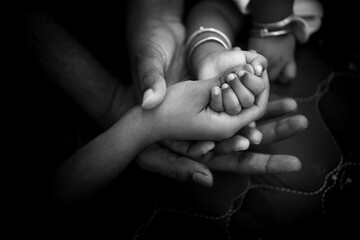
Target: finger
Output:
[(160, 160), (258, 62), (273, 74), (252, 124), (228, 125), (256, 163), (274, 69), (235, 143), (279, 129), (199, 148), (254, 83), (262, 99), (252, 134), (155, 94), (192, 149), (289, 72), (216, 102), (245, 97), (280, 107), (252, 163), (230, 100)]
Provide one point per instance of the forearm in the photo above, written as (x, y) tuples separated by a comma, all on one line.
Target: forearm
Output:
[(69, 65), (153, 29), (264, 11), (211, 14), (103, 159), (215, 14)]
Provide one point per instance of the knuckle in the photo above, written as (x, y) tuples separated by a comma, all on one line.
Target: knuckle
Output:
[(233, 110), (248, 101)]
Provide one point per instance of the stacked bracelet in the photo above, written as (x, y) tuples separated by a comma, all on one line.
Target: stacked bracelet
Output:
[(222, 39), (264, 32), (279, 28), (213, 30), (215, 39)]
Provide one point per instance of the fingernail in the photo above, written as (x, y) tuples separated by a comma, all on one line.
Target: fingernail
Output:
[(216, 91), (147, 96), (252, 124), (224, 86), (230, 77), (243, 145), (240, 73), (259, 70), (249, 68), (257, 138), (208, 148), (294, 164), (201, 179)]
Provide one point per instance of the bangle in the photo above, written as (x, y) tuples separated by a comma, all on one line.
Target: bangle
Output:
[(213, 30), (215, 39), (274, 29), (276, 25), (264, 32)]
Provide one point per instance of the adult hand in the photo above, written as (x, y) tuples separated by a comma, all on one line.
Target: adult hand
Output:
[(279, 52), (183, 162), (155, 32), (185, 113), (273, 128)]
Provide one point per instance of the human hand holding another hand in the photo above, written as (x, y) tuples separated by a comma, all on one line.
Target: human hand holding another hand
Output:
[(193, 161)]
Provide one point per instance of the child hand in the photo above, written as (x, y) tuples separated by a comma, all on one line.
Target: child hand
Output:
[(216, 63), (279, 51), (185, 113), (236, 94)]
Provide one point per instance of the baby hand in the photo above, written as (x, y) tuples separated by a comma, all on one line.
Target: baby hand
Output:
[(239, 89)]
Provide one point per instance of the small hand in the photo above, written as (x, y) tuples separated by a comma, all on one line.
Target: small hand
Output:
[(279, 52), (239, 90), (185, 113), (215, 64)]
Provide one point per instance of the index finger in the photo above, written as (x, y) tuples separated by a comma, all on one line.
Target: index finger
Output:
[(252, 163)]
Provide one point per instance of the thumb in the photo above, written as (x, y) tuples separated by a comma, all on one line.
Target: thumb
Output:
[(289, 72), (149, 75), (160, 160), (155, 89)]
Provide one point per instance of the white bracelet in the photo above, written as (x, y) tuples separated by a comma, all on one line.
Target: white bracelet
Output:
[(266, 33), (215, 39), (202, 30), (276, 25)]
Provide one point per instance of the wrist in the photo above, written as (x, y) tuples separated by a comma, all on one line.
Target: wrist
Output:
[(140, 126), (204, 56), (273, 29), (203, 41), (264, 11), (271, 18)]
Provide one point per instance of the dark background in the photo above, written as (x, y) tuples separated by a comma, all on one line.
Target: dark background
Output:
[(45, 127)]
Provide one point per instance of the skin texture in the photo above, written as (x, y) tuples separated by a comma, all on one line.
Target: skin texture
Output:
[(129, 130), (280, 52)]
